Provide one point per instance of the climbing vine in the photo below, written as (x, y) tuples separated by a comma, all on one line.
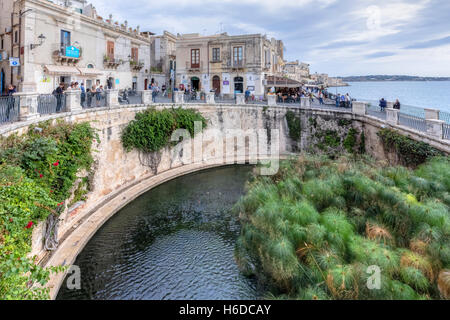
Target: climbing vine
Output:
[(411, 152), (37, 173), (151, 130), (294, 126)]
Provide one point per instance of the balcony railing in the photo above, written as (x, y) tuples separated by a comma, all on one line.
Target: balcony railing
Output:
[(238, 64), (67, 54), (136, 65), (194, 66), (111, 62)]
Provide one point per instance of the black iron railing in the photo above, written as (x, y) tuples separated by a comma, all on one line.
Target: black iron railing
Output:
[(51, 103), (9, 109)]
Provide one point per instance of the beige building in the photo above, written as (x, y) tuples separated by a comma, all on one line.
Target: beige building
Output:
[(296, 70), (320, 79), (163, 58), (227, 64), (67, 41)]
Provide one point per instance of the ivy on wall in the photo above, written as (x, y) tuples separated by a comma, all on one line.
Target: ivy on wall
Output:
[(410, 152), (37, 173), (151, 130), (294, 126)]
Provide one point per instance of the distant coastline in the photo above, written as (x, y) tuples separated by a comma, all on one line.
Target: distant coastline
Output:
[(375, 78)]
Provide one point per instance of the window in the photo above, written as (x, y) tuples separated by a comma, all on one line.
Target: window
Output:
[(65, 40), (195, 58), (237, 55), (216, 54), (16, 36), (134, 54), (110, 50)]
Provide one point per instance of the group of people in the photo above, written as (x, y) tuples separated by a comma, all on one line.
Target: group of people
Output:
[(343, 101), (383, 104)]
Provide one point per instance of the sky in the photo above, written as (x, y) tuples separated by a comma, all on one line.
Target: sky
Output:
[(338, 37)]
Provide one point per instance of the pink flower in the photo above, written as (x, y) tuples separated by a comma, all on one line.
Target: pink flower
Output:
[(41, 175), (29, 225), (56, 163)]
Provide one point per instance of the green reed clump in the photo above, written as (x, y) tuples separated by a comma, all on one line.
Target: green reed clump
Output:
[(313, 230)]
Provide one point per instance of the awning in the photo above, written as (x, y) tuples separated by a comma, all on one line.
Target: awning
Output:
[(90, 71), (274, 81), (61, 70)]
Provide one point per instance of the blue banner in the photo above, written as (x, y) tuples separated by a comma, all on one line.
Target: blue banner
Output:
[(72, 52)]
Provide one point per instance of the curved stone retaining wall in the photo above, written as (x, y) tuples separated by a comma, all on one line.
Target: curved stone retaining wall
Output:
[(120, 177)]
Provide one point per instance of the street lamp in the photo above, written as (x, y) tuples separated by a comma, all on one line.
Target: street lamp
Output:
[(41, 41)]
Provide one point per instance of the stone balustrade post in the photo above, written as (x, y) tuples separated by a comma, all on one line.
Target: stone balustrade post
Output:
[(179, 96), (271, 100), (435, 128), (389, 105), (359, 108), (305, 102), (112, 98), (240, 98), (28, 102), (432, 114), (73, 100), (392, 116), (147, 96), (210, 99)]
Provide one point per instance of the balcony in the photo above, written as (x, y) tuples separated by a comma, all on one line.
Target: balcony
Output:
[(136, 65), (238, 64), (190, 67), (111, 62), (69, 55)]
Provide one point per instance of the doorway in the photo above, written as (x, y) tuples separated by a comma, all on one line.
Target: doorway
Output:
[(2, 82), (195, 83), (216, 84), (238, 85)]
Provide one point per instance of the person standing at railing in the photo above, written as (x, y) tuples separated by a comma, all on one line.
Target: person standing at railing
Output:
[(98, 95), (155, 93), (10, 101), (59, 96), (397, 105), (383, 104), (83, 94)]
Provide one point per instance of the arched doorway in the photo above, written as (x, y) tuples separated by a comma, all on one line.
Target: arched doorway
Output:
[(195, 83), (238, 85), (216, 84)]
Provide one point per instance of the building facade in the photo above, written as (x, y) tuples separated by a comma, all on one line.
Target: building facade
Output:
[(298, 71), (163, 58), (227, 64), (67, 41)]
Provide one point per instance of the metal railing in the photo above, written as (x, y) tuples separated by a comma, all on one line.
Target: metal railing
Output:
[(415, 122), (375, 111), (51, 103), (9, 109), (446, 131), (130, 97), (444, 116), (93, 100), (218, 98)]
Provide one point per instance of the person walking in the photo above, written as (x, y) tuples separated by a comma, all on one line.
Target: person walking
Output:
[(342, 103), (321, 97), (247, 95), (383, 104), (397, 105), (338, 100), (155, 92)]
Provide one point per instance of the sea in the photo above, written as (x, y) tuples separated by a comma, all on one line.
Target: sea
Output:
[(421, 94)]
